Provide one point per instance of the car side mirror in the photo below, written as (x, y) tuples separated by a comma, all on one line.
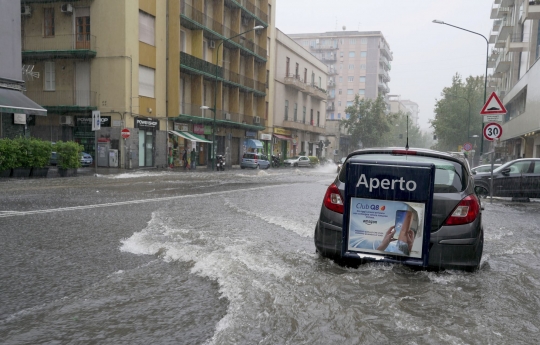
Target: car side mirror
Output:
[(506, 171), (480, 191), (473, 172)]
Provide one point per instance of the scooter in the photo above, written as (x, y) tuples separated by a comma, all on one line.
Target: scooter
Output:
[(220, 165), (275, 161)]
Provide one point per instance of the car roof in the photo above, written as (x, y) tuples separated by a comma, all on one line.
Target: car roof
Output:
[(419, 151)]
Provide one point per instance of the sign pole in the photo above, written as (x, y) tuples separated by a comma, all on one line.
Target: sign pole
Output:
[(96, 126)]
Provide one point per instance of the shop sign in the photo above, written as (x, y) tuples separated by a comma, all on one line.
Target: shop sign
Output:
[(19, 119), (181, 127), (265, 136), (294, 142), (282, 131), (146, 123), (87, 121), (207, 129), (380, 196), (251, 134), (198, 129)]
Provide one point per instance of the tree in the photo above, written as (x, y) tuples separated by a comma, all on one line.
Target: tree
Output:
[(451, 124), (368, 122), (397, 136)]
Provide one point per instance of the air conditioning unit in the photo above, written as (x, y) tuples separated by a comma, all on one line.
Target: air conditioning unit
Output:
[(66, 8), (257, 119), (66, 120), (336, 152), (26, 10), (227, 116), (212, 44)]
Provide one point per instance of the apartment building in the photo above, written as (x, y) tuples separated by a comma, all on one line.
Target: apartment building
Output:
[(158, 68), (299, 100), (358, 63), (16, 110), (405, 106), (515, 75)]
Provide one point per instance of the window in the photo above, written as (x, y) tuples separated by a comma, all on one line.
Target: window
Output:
[(287, 66), (304, 116), (362, 79), (361, 92), (350, 92), (331, 116), (320, 82), (340, 66), (351, 79), (352, 41), (49, 79), (351, 54), (339, 103), (146, 81), (363, 54), (182, 41), (341, 54), (267, 78), (339, 115), (305, 75), (349, 104), (295, 111), (48, 22), (362, 66), (147, 28), (339, 92), (351, 67), (347, 116), (341, 79), (363, 40), (311, 117), (286, 110), (268, 46), (318, 118)]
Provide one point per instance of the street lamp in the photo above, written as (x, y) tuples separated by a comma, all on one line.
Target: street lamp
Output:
[(469, 121), (485, 77), (214, 108)]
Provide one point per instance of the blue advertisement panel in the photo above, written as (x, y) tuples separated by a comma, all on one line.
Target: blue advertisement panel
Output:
[(388, 211)]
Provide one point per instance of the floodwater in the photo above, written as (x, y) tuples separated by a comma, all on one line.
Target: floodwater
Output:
[(196, 258)]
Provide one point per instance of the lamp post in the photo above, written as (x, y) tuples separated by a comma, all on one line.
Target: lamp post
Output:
[(485, 77), (214, 108), (469, 120)]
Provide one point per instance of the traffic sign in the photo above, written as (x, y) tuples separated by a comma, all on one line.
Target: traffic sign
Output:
[(467, 146), (125, 133), (493, 106), (493, 118), (492, 131), (96, 120)]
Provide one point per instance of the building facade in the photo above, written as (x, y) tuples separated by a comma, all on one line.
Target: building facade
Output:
[(358, 63), (152, 67), (515, 77), (405, 106), (299, 100)]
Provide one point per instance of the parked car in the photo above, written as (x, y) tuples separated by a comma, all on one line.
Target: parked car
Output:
[(456, 237), (484, 168), (517, 178), (255, 161), (86, 159), (340, 163), (297, 161), (54, 158)]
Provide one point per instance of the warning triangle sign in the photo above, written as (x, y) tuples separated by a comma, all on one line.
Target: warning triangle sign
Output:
[(493, 106)]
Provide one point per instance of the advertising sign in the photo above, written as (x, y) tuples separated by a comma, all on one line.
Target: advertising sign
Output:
[(388, 211)]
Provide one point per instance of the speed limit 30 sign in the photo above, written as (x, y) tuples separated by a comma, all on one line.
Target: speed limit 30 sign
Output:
[(492, 131)]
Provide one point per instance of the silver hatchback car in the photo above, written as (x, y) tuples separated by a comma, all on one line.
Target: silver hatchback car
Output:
[(456, 237), (255, 161)]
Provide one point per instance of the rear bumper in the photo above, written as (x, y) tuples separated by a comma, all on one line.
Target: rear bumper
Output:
[(451, 247)]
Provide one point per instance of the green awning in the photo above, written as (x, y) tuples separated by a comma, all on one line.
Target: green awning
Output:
[(13, 101), (190, 136)]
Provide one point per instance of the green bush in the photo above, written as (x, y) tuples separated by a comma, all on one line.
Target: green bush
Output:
[(313, 160), (24, 153), (68, 154), (40, 153), (9, 150)]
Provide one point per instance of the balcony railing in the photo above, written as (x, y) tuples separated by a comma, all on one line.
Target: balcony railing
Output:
[(251, 9), (295, 81), (318, 46), (333, 71), (316, 91), (64, 98), (223, 117), (223, 74), (200, 18), (330, 107), (72, 44), (329, 58)]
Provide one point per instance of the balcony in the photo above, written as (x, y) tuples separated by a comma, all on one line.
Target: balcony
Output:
[(325, 47), (294, 81), (317, 92), (193, 113), (383, 88), (384, 74), (507, 3), (530, 11), (64, 101), (249, 9), (71, 46), (306, 126), (330, 58), (517, 43), (502, 64), (192, 65), (331, 84), (330, 107), (385, 50), (333, 71)]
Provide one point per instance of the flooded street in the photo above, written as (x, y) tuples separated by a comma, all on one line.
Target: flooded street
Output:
[(228, 258)]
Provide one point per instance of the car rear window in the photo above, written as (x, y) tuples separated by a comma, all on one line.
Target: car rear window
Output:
[(450, 176), (249, 156)]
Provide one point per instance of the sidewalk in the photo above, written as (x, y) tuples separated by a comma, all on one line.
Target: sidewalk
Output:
[(90, 171)]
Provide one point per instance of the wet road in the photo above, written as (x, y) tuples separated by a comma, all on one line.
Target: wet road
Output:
[(202, 258)]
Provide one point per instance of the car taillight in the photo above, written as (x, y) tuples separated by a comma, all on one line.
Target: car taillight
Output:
[(333, 200), (465, 212), (404, 152)]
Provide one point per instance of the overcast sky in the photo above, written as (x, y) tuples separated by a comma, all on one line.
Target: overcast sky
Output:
[(426, 55)]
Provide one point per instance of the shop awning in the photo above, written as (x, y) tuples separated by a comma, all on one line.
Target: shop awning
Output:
[(255, 144), (190, 136), (282, 137), (13, 101)]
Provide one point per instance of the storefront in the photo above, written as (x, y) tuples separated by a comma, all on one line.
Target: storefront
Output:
[(181, 142), (83, 134), (147, 140), (283, 143), (266, 140)]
